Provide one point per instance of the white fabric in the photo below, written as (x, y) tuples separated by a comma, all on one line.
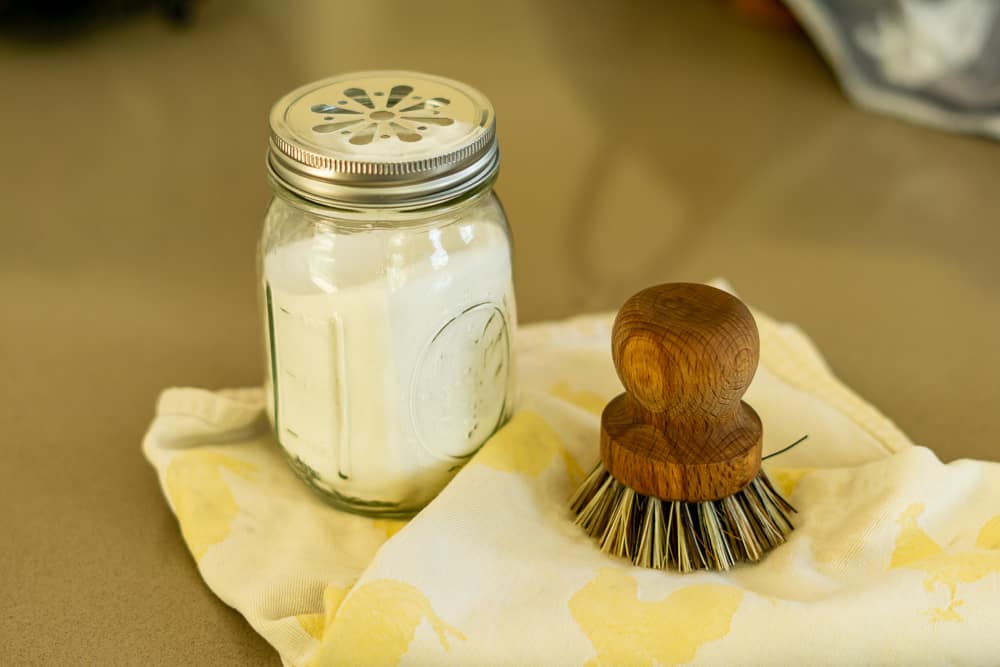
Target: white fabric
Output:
[(895, 557), (932, 62)]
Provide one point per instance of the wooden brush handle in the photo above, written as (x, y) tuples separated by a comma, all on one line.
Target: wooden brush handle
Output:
[(686, 354)]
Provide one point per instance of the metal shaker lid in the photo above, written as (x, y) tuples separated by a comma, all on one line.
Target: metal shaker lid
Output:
[(384, 139)]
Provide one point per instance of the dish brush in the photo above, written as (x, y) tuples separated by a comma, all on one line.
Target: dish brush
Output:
[(679, 484)]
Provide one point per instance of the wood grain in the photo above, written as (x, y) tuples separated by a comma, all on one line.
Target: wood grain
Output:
[(686, 354)]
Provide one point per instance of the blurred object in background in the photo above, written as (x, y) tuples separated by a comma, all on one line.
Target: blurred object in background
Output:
[(935, 62), (772, 12), (57, 19)]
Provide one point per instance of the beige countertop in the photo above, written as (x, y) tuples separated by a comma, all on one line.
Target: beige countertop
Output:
[(642, 142)]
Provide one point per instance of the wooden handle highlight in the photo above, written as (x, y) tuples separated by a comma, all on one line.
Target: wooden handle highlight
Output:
[(686, 354)]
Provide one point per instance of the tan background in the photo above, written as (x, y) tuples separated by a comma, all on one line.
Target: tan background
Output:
[(643, 141)]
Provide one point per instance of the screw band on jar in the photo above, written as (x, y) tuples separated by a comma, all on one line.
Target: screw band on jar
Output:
[(383, 140)]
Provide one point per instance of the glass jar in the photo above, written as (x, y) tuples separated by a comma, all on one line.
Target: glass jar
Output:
[(386, 284)]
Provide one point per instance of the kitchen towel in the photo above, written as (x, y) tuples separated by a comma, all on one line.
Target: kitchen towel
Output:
[(895, 557), (933, 62)]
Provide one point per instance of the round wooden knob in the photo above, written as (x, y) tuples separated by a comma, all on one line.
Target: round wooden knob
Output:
[(684, 347), (686, 354)]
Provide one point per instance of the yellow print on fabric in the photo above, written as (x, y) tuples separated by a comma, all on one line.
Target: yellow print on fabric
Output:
[(916, 550), (313, 624), (202, 500), (376, 623), (787, 479), (526, 446), (585, 400), (316, 624), (628, 631), (390, 526)]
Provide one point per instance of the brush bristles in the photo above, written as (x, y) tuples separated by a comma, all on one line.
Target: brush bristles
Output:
[(664, 534)]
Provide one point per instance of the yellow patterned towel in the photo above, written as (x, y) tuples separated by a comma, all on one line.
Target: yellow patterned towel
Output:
[(896, 557)]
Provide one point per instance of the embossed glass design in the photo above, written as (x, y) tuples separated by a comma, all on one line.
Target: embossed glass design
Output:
[(389, 345)]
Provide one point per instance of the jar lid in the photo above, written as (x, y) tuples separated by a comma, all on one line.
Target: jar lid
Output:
[(385, 139)]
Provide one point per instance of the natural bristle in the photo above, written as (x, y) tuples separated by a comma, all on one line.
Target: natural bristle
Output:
[(677, 535)]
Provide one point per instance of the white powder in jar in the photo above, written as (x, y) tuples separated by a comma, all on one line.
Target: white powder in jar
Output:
[(391, 357)]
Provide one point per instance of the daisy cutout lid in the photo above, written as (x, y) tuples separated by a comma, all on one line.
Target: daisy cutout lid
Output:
[(383, 139)]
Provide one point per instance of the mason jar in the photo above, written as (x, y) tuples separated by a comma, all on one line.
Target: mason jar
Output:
[(386, 285)]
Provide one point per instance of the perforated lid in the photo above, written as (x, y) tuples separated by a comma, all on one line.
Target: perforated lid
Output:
[(386, 139)]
